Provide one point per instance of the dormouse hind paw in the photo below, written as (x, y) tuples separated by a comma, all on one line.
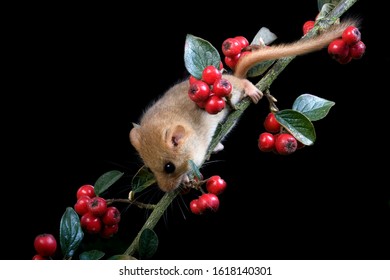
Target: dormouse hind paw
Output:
[(252, 91)]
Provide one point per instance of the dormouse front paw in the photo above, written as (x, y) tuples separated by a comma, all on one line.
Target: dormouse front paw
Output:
[(252, 91)]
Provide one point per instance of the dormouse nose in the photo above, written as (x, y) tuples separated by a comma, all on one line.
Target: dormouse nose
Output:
[(167, 183)]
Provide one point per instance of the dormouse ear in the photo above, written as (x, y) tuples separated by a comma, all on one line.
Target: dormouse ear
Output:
[(135, 136), (175, 136)]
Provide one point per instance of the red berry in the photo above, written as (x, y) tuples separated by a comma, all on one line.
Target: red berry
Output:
[(210, 74), (112, 216), (214, 104), (307, 26), (81, 206), (242, 54), (351, 35), (300, 145), (201, 104), (338, 49), (208, 201), (91, 223), (243, 41), (266, 142), (222, 87), (231, 47), (194, 206), (271, 124), (285, 144), (192, 79), (39, 257), (357, 50), (231, 61), (216, 185), (345, 60), (45, 244), (109, 230), (87, 190), (199, 91), (97, 206)]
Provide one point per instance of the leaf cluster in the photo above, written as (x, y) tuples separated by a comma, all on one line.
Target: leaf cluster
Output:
[(198, 53)]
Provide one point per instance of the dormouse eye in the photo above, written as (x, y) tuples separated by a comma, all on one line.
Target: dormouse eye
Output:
[(169, 167)]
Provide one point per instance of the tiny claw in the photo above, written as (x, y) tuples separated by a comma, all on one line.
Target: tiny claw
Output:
[(252, 91), (255, 96)]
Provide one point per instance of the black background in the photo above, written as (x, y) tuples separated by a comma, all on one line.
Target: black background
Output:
[(81, 75)]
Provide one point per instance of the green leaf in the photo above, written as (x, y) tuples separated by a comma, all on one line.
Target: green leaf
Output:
[(263, 37), (325, 10), (107, 180), (91, 255), (121, 257), (142, 179), (313, 107), (195, 170), (199, 53), (298, 125), (148, 243), (71, 233), (259, 68), (321, 3)]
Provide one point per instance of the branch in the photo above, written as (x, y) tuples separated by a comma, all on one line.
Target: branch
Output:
[(154, 217), (231, 119), (274, 72)]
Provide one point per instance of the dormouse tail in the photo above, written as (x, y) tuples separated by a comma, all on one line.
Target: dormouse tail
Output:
[(300, 47)]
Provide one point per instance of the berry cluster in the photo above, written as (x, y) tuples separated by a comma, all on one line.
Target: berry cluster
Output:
[(96, 217), (274, 139), (209, 201), (45, 246), (233, 49), (349, 46), (210, 91)]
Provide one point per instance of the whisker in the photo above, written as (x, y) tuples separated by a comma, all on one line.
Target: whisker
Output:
[(184, 204), (214, 161)]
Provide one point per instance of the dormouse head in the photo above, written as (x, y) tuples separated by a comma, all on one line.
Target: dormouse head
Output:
[(164, 151)]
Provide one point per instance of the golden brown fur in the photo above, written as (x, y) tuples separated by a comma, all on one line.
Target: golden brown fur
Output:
[(174, 130), (299, 47)]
